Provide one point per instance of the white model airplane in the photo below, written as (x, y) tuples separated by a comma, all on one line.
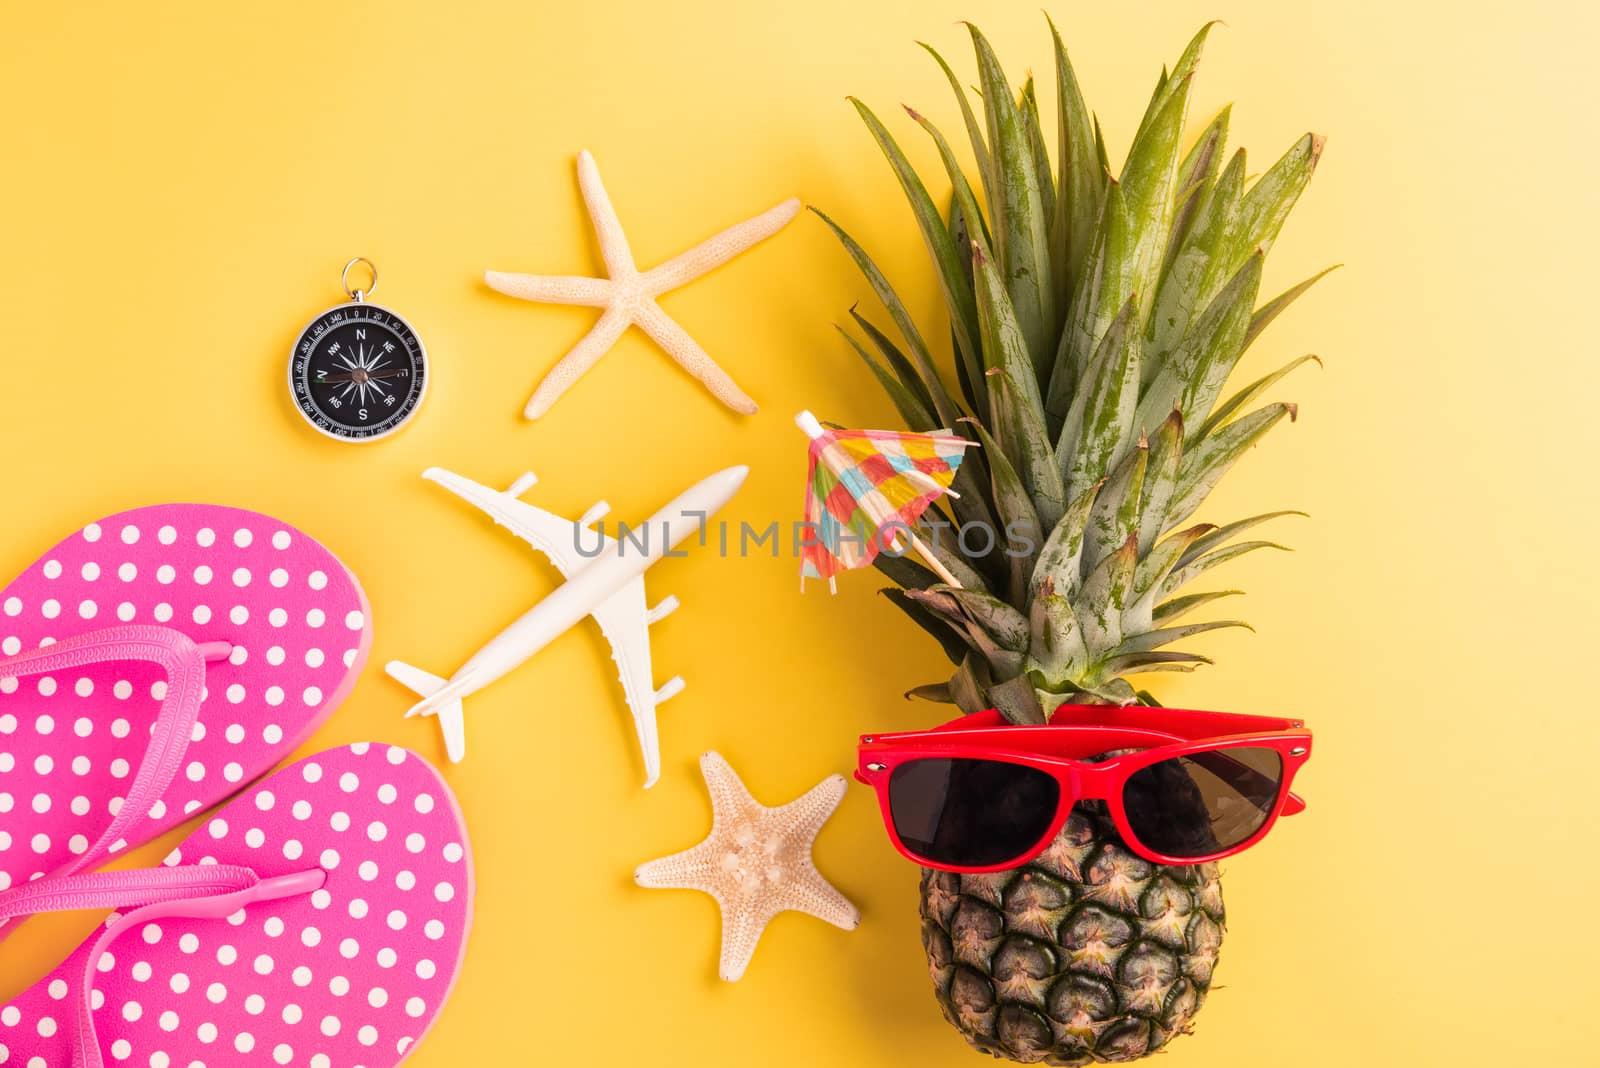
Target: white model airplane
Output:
[(605, 579)]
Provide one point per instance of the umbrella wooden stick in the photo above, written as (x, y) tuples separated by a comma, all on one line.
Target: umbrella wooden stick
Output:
[(932, 561), (921, 548)]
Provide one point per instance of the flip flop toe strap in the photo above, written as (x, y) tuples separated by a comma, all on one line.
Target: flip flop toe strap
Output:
[(184, 662), (199, 891), (123, 889)]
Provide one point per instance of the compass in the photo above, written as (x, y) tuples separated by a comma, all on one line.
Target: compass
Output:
[(358, 371)]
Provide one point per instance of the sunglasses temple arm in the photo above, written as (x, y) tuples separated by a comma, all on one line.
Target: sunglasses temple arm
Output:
[(1293, 805)]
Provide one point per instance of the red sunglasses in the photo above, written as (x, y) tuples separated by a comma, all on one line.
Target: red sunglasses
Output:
[(980, 795)]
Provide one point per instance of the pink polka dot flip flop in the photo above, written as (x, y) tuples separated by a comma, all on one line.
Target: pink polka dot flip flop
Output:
[(152, 665), (318, 920)]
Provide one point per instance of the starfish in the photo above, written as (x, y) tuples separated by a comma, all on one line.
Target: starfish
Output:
[(756, 862), (629, 295)]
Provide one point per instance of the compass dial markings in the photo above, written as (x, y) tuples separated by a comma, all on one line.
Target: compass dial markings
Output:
[(358, 372)]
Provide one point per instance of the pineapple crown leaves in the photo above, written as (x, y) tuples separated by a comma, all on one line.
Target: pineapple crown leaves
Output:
[(1095, 320)]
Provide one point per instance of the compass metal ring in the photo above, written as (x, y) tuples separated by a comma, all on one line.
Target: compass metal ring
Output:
[(359, 294)]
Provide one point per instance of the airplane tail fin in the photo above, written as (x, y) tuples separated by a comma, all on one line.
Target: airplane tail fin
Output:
[(452, 718)]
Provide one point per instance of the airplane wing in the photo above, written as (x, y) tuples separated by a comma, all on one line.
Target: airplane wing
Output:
[(625, 620), (547, 532)]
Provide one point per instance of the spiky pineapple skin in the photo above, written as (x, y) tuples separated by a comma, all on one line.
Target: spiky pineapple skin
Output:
[(1087, 954)]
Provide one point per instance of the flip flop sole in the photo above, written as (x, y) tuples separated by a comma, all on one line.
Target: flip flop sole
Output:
[(70, 743), (352, 974)]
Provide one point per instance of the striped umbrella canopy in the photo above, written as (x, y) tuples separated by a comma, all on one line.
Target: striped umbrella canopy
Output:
[(865, 491)]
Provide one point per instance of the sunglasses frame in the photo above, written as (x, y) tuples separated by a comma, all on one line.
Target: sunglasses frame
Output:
[(1059, 749)]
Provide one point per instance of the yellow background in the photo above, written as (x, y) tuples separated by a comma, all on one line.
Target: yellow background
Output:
[(181, 184)]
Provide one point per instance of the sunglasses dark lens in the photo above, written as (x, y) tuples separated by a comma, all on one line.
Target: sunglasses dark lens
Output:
[(971, 813), (1203, 803)]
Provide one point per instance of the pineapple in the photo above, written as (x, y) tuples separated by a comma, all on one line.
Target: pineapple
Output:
[(1095, 320)]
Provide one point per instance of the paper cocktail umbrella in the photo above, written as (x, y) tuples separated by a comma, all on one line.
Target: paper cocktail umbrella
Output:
[(865, 490)]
